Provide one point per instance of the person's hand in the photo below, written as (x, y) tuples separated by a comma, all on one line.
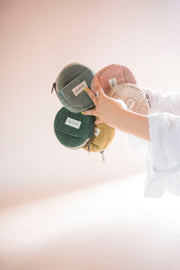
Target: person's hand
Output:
[(107, 109), (115, 113)]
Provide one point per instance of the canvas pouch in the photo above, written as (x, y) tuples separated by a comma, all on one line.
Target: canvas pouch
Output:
[(113, 75), (73, 130), (103, 136), (136, 99), (69, 86)]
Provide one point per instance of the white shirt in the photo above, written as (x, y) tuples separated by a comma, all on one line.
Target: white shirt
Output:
[(163, 154)]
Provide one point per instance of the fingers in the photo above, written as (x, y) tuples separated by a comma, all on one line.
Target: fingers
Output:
[(90, 112), (91, 95), (96, 86), (98, 121)]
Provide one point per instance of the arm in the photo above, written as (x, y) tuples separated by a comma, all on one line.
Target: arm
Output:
[(115, 114), (134, 124)]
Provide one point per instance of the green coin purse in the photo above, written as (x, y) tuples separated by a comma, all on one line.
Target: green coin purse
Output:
[(73, 130), (69, 86)]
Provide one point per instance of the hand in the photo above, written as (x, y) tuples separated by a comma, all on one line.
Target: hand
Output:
[(115, 113), (107, 109)]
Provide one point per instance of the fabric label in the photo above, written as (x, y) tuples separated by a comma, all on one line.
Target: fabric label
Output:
[(79, 88), (113, 82), (96, 131), (130, 103), (73, 123)]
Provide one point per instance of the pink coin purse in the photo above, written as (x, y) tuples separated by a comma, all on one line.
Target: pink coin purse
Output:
[(113, 75)]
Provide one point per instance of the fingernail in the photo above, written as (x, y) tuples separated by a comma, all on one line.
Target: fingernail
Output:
[(82, 112), (85, 88)]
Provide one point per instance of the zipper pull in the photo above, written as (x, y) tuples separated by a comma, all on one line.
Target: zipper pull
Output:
[(53, 87), (147, 96), (102, 155), (88, 146)]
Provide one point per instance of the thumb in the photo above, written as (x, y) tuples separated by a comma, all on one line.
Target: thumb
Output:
[(98, 121), (90, 112)]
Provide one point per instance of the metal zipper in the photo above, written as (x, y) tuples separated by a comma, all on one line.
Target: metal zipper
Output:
[(53, 87), (102, 155), (147, 96), (88, 146), (82, 145)]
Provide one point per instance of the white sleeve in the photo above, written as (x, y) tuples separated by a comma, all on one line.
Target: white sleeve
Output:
[(160, 102), (163, 152), (163, 160)]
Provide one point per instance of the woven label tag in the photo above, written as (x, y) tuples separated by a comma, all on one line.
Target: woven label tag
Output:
[(96, 131), (79, 88), (73, 123), (130, 103), (113, 82)]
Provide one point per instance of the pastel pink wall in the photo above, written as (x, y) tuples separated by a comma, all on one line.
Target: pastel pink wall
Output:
[(37, 39)]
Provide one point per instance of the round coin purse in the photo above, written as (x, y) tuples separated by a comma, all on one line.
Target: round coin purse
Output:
[(103, 136), (136, 99), (112, 75), (73, 130), (69, 86)]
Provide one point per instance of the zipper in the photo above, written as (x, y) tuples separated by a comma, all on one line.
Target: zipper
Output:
[(101, 152), (87, 142), (53, 88), (102, 155), (147, 96), (88, 145), (78, 147)]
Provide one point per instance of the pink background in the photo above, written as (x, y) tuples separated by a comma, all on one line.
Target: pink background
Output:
[(38, 38)]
